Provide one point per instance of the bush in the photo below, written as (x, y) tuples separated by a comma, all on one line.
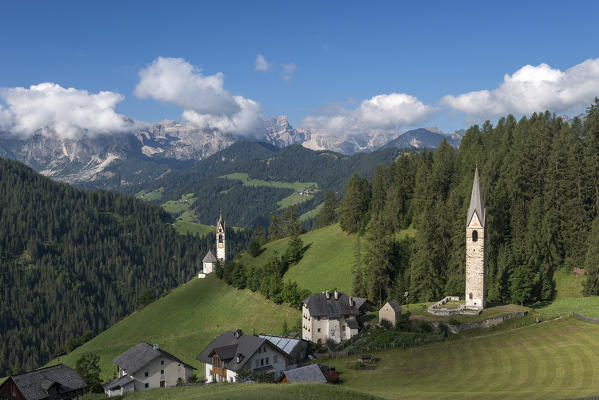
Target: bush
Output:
[(386, 324)]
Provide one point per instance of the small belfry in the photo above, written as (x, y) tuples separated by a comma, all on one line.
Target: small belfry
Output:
[(221, 249), (475, 249)]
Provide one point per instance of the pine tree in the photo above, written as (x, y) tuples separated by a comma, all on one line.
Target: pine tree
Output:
[(354, 206), (328, 213), (591, 262)]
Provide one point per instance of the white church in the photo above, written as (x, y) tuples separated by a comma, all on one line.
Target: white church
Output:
[(210, 260)]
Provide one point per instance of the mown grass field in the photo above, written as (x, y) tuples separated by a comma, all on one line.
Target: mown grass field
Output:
[(568, 284), (588, 306), (552, 360), (153, 195), (326, 264), (178, 206), (186, 320), (187, 223), (253, 392), (287, 201)]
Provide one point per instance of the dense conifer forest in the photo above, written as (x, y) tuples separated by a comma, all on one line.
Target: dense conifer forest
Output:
[(540, 183), (73, 262)]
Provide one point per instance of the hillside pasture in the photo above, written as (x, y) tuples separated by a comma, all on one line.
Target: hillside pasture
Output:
[(185, 321), (551, 360), (568, 284), (187, 223), (178, 206), (587, 306), (150, 196)]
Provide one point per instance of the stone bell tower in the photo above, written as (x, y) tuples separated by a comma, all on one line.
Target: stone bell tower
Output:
[(221, 253), (475, 249)]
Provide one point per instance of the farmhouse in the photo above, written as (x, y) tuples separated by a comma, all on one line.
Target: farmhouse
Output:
[(295, 348), (56, 382), (145, 366), (226, 355), (331, 316), (391, 312)]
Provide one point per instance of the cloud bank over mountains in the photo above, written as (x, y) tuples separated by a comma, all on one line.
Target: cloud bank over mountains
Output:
[(205, 102), (69, 112), (203, 98), (383, 112), (532, 89)]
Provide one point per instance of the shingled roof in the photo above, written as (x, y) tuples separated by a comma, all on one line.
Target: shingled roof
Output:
[(309, 373), (232, 343), (119, 382), (321, 306), (209, 257), (34, 385), (476, 202), (140, 355)]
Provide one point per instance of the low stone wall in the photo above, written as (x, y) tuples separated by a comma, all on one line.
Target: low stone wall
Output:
[(585, 318), (436, 308), (487, 323)]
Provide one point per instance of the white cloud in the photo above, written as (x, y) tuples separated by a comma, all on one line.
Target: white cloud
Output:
[(69, 112), (288, 71), (533, 89), (382, 112), (204, 100), (261, 64)]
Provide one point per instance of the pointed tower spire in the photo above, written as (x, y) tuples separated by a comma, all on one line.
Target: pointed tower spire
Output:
[(476, 202)]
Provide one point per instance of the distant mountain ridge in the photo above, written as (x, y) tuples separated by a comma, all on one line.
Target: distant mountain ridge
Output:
[(147, 152)]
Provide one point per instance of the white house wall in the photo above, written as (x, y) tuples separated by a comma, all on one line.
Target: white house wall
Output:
[(172, 372)]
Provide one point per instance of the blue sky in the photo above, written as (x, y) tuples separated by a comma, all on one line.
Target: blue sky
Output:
[(345, 53)]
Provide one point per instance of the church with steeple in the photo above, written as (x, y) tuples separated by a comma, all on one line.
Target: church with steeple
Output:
[(475, 249), (210, 260)]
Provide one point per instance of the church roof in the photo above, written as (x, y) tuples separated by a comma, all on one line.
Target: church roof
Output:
[(209, 257), (476, 202)]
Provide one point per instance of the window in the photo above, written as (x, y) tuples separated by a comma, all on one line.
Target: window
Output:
[(161, 362), (474, 236), (231, 379), (257, 363), (262, 361), (162, 383), (318, 329), (146, 385), (220, 238), (161, 372), (211, 372), (470, 295), (266, 361), (146, 374), (275, 359)]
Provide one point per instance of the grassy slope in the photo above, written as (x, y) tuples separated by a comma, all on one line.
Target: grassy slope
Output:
[(552, 360), (326, 264), (254, 392), (588, 306), (186, 320), (568, 284)]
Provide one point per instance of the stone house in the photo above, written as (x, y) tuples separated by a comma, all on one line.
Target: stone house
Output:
[(232, 351), (331, 316), (56, 382), (146, 366), (390, 311)]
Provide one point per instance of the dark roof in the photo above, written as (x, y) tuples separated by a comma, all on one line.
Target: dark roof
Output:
[(229, 345), (394, 305), (352, 323), (476, 202), (320, 306), (209, 257), (140, 355), (118, 382), (34, 385), (309, 373)]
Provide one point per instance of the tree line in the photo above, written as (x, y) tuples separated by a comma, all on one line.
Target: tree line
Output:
[(540, 183)]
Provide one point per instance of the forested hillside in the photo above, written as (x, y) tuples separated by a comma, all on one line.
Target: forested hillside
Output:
[(330, 171), (73, 262), (540, 182)]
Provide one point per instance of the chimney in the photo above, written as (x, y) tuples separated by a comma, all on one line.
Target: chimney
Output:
[(336, 295), (155, 346), (239, 358), (327, 294), (238, 333)]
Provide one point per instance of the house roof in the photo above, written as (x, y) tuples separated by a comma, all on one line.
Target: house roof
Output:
[(34, 385), (320, 306), (353, 323), (209, 257), (284, 343), (118, 382), (394, 305), (140, 355), (309, 373), (476, 202), (229, 345)]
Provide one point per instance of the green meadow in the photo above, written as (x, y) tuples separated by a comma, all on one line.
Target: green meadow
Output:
[(185, 321)]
